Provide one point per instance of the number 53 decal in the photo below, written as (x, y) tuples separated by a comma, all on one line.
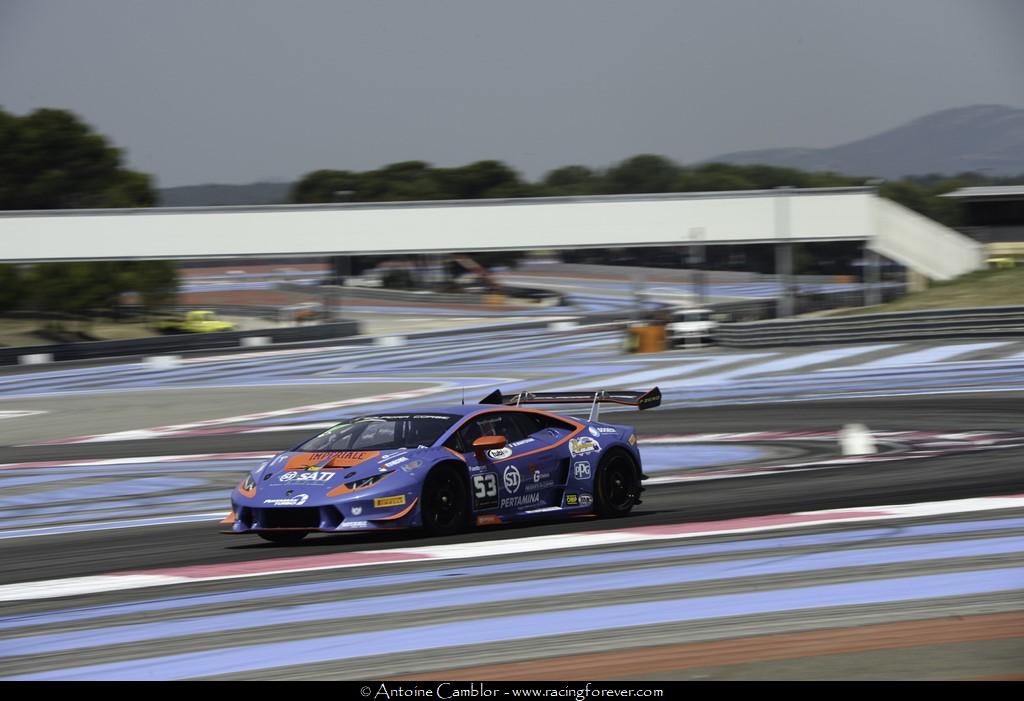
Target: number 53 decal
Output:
[(485, 490)]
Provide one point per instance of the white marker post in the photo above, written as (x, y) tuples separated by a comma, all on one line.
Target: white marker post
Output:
[(163, 362), (255, 341), (856, 439), (35, 359), (390, 341)]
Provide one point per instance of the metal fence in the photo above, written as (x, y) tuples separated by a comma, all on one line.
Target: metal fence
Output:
[(761, 309), (938, 324), (184, 342)]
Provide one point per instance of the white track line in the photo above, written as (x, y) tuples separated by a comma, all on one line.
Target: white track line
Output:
[(76, 586)]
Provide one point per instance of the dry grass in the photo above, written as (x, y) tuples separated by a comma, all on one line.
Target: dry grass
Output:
[(20, 332), (985, 288)]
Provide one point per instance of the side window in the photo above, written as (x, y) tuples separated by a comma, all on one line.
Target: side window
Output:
[(455, 442), (528, 423), (538, 422), (498, 423)]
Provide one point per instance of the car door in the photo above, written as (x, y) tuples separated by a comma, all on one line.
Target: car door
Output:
[(528, 474), (515, 478), (485, 478), (538, 456)]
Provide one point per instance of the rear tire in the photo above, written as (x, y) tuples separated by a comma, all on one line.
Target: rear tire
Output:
[(616, 486), (282, 537), (444, 502)]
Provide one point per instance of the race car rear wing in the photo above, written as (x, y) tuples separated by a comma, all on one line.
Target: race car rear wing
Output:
[(641, 400)]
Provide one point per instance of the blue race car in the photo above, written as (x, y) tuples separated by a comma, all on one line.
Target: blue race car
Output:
[(447, 468)]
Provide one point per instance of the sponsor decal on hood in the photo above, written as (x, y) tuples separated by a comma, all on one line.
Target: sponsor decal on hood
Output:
[(337, 458), (297, 477), (412, 466)]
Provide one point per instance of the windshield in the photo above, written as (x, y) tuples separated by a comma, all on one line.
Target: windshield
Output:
[(383, 432)]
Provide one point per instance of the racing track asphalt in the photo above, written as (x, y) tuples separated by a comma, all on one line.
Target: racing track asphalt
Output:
[(950, 477)]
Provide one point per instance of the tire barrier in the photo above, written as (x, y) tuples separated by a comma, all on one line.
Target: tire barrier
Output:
[(161, 345)]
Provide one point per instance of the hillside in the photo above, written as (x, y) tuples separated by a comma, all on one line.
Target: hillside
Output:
[(988, 139), (219, 195)]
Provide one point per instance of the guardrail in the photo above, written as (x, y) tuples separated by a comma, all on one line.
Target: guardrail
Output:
[(91, 350), (183, 342), (761, 309), (937, 324), (682, 275)]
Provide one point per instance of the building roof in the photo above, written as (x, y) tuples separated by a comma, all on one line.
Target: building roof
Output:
[(990, 192)]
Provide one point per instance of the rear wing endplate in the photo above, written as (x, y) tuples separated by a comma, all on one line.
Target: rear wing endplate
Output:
[(641, 400)]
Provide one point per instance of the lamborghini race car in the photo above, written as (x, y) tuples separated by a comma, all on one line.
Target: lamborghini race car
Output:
[(447, 468)]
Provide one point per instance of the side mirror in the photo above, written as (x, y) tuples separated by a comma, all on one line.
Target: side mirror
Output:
[(485, 443)]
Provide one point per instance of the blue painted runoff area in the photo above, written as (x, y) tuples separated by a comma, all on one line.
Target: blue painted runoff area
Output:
[(557, 565), (519, 627), (481, 595), (684, 456), (114, 488)]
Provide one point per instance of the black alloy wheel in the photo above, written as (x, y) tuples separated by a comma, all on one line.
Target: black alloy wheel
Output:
[(444, 504), (616, 485)]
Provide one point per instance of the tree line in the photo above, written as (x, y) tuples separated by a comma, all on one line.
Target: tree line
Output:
[(645, 173), (51, 159)]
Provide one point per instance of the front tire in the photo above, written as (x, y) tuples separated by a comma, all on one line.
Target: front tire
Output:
[(616, 486), (444, 503), (282, 537)]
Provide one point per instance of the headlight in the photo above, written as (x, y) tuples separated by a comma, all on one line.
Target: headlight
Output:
[(366, 481), (248, 484)]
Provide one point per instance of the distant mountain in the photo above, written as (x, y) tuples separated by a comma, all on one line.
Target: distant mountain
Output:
[(213, 195), (988, 139)]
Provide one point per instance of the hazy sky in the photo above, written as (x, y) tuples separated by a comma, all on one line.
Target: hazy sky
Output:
[(203, 91)]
